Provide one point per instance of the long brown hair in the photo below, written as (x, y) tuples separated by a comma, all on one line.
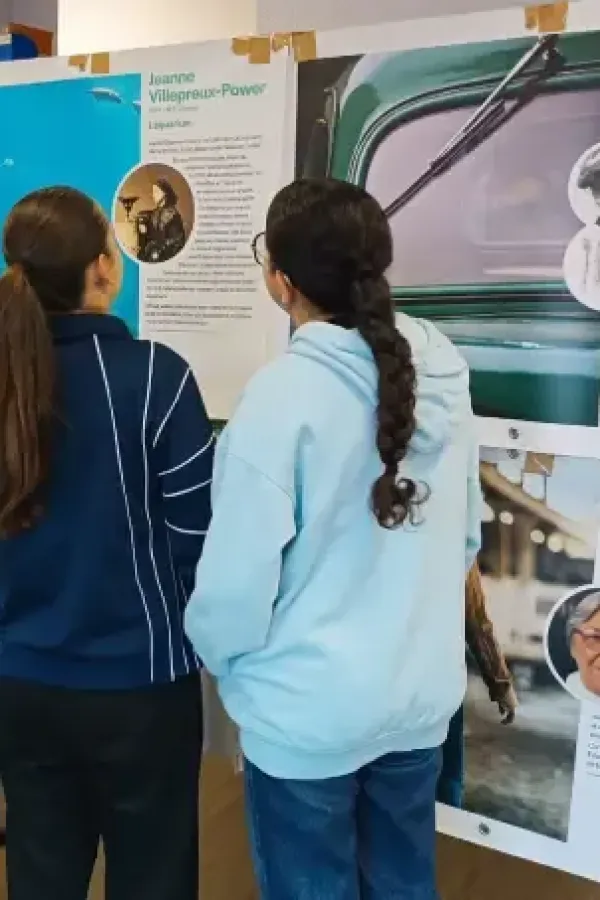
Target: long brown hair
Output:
[(50, 239), (333, 242)]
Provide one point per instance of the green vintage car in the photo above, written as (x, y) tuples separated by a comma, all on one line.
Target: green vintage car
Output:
[(469, 149)]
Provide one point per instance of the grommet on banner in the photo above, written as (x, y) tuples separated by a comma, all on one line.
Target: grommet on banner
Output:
[(547, 18), (258, 49), (92, 63)]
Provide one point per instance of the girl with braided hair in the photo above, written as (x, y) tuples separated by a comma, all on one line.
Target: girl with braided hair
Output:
[(329, 601)]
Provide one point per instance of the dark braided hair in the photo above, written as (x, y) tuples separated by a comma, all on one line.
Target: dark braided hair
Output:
[(333, 243)]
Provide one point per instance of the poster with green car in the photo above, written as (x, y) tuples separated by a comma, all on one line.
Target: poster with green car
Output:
[(472, 149)]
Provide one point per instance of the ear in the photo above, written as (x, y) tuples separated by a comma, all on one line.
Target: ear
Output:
[(102, 268), (285, 290)]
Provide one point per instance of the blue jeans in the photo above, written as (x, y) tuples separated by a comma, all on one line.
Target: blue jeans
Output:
[(450, 785), (365, 836)]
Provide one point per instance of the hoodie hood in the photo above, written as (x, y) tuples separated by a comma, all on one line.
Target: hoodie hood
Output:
[(442, 373)]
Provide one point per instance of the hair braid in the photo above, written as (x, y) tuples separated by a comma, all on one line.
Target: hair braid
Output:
[(394, 499)]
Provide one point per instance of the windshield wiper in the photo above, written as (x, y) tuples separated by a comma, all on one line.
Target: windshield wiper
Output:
[(515, 91)]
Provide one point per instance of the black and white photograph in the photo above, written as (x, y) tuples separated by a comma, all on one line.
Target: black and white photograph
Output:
[(582, 267), (584, 187), (154, 213)]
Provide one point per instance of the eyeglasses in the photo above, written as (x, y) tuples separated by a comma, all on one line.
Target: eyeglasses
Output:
[(590, 638), (259, 249)]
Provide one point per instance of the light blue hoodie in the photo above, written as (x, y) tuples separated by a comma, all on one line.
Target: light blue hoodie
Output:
[(335, 641)]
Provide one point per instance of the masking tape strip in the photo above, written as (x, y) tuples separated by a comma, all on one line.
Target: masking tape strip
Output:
[(547, 18), (539, 464), (259, 49), (94, 64)]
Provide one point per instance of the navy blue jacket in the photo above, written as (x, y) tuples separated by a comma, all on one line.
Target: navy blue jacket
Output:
[(93, 596)]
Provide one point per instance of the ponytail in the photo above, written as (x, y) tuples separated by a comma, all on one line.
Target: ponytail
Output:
[(27, 379), (394, 499)]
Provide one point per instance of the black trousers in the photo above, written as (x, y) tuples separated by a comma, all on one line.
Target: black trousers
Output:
[(122, 767)]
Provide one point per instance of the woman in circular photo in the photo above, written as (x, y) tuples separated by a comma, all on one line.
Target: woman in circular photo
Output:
[(160, 230), (584, 187), (573, 644), (154, 213)]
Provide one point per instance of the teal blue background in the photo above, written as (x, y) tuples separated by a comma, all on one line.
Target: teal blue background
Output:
[(60, 132)]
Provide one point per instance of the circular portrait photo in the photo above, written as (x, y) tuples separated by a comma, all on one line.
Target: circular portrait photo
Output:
[(573, 643), (584, 187), (582, 267), (153, 213)]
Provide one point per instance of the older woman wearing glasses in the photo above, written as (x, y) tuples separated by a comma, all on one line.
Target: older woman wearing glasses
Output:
[(583, 638)]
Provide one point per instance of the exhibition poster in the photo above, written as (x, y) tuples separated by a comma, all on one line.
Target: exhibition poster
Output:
[(183, 148), (486, 158)]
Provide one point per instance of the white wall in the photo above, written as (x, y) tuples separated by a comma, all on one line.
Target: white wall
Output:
[(4, 12), (93, 25), (298, 15), (87, 26), (38, 13)]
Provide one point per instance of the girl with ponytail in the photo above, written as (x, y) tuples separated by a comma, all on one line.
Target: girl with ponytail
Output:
[(105, 465), (329, 601)]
